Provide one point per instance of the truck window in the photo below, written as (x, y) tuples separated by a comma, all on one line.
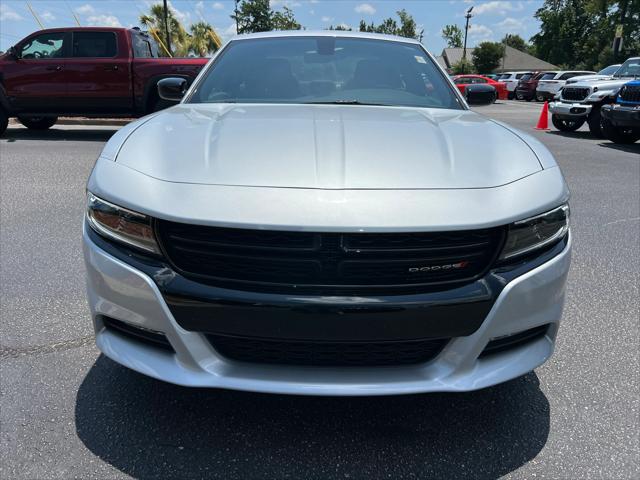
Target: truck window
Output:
[(94, 44), (142, 47), (48, 45)]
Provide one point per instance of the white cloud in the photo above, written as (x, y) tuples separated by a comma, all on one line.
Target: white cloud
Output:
[(86, 9), (498, 7), (7, 13), (218, 6), (199, 5), (103, 21), (365, 9), (285, 3), (327, 19), (480, 32), (48, 16), (511, 24)]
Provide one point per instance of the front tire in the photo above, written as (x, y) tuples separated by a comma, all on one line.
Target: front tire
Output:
[(619, 134), (540, 98), (567, 125), (519, 96), (595, 122), (38, 123), (4, 121)]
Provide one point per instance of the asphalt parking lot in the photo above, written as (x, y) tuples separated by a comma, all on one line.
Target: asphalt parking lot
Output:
[(68, 412)]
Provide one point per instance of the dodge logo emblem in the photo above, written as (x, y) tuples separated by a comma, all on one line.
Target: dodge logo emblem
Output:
[(435, 268)]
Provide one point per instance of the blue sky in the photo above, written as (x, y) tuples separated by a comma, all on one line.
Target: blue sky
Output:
[(492, 20)]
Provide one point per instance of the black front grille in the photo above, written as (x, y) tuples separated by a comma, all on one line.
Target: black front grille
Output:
[(630, 93), (254, 350), (306, 262), (575, 93)]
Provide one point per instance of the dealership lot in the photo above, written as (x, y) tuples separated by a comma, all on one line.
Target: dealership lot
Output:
[(69, 412)]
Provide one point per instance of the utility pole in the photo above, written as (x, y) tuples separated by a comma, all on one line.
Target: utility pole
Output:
[(236, 13), (166, 26), (466, 30)]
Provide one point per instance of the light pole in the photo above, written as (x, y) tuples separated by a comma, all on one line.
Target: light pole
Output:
[(466, 29)]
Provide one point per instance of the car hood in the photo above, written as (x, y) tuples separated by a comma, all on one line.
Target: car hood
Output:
[(608, 83), (327, 147)]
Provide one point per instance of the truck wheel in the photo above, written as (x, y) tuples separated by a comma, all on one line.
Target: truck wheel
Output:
[(4, 121), (567, 125), (38, 123), (539, 97), (519, 96), (619, 134), (595, 122)]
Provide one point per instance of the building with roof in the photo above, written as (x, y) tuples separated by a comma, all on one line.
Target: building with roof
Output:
[(513, 61)]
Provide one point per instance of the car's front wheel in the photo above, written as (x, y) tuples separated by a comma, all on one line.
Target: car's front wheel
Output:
[(38, 123), (619, 134), (567, 125), (4, 121), (595, 122), (519, 96), (539, 97)]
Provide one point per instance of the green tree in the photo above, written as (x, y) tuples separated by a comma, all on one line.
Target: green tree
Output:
[(463, 66), (487, 56), (579, 33), (154, 22), (452, 34), (204, 40), (284, 20), (389, 26), (343, 28), (515, 41), (257, 16)]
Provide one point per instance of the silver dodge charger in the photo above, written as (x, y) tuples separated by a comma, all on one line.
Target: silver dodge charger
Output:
[(322, 214)]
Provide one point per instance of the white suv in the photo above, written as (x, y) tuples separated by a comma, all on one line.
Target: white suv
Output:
[(550, 83), (511, 79)]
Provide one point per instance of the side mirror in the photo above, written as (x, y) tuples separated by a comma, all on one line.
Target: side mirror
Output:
[(479, 94), (172, 88), (13, 52)]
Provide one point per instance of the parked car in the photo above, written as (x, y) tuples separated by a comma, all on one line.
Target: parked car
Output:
[(463, 81), (492, 76), (526, 88), (582, 101), (324, 215), (511, 79), (603, 74), (550, 83), (106, 72), (621, 120)]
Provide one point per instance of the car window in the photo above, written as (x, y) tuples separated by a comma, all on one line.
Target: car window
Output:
[(141, 47), (48, 45), (569, 75), (94, 44), (526, 77), (462, 80), (325, 70), (548, 76), (504, 76), (478, 80), (610, 70), (520, 75), (629, 69)]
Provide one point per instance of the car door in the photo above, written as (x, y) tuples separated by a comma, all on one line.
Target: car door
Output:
[(98, 73), (34, 78)]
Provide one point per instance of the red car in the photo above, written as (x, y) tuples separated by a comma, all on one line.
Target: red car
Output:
[(462, 81), (91, 71)]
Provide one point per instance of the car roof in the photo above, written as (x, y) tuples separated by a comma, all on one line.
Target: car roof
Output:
[(325, 33)]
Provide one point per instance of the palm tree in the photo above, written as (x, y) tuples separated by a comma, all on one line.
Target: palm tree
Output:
[(154, 22), (204, 40)]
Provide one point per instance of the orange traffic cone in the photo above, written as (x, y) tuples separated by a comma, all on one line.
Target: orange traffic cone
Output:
[(543, 121)]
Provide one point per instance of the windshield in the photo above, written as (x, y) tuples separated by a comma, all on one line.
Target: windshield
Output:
[(630, 68), (339, 70), (610, 70), (526, 77), (548, 76)]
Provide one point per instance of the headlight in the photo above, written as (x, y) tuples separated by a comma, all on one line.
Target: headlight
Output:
[(536, 232), (120, 224)]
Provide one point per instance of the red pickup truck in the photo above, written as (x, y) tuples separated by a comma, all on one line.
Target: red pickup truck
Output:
[(89, 72)]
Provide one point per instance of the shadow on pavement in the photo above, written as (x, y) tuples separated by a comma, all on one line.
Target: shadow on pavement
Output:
[(632, 148), (149, 429), (579, 134), (87, 134)]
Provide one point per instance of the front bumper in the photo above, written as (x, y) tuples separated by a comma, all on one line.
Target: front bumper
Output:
[(622, 115), (117, 290), (570, 110)]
